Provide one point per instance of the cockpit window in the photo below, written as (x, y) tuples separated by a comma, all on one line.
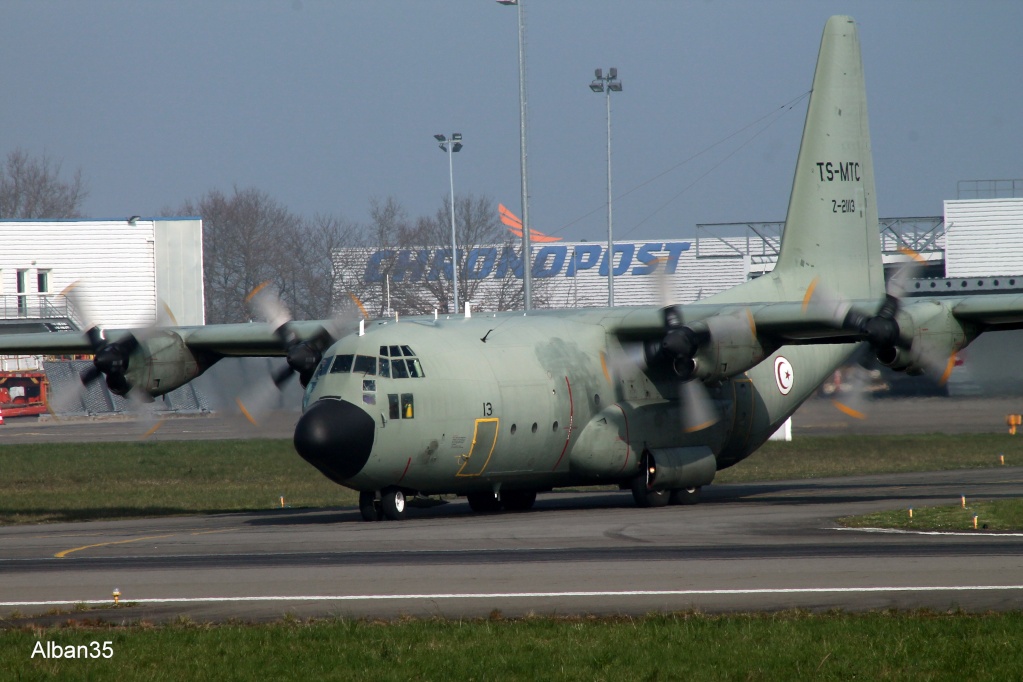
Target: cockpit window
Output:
[(398, 369), (324, 366), (365, 364), (398, 363), (342, 364)]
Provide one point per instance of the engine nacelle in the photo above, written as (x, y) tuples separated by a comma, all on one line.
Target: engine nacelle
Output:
[(930, 335), (160, 363), (732, 347)]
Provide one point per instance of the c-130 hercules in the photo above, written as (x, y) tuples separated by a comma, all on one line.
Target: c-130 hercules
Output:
[(497, 407)]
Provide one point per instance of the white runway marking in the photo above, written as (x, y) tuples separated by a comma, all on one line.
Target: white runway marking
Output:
[(902, 531), (527, 595)]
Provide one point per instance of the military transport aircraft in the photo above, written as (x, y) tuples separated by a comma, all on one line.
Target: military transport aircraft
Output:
[(497, 407)]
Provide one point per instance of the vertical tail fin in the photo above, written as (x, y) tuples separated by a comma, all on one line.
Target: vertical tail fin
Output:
[(831, 231)]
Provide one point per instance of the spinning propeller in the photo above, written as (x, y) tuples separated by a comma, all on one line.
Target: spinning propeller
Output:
[(110, 359), (302, 355), (890, 343)]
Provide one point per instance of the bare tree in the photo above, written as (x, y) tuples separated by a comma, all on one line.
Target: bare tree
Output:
[(481, 255), (248, 238), (389, 283), (328, 260), (32, 188)]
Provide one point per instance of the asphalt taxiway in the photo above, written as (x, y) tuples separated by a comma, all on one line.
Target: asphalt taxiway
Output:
[(746, 547)]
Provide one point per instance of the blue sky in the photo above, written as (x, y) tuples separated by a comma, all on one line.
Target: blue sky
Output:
[(325, 105)]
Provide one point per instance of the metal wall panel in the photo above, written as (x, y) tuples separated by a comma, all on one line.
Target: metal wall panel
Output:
[(113, 260), (983, 238)]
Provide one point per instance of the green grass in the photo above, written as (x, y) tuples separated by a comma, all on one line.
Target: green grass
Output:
[(783, 646), (84, 481), (827, 456), (991, 515)]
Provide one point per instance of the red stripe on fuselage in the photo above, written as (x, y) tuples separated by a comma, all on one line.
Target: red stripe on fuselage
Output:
[(571, 418)]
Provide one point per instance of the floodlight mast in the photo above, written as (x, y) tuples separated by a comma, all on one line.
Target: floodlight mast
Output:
[(450, 147), (608, 84), (527, 255)]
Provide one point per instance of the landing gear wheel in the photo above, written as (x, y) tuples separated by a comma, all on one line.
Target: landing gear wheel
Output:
[(645, 497), (518, 500), (685, 495), (483, 503), (393, 502), (369, 507)]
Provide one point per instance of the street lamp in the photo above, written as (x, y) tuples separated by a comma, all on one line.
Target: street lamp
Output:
[(608, 84), (527, 256), (450, 147)]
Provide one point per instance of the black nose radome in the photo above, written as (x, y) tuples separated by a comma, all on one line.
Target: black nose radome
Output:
[(336, 437)]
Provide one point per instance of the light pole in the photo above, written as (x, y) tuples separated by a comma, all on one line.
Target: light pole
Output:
[(451, 146), (527, 256), (608, 84)]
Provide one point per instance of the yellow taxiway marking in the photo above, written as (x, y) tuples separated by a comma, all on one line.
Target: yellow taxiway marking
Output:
[(63, 554)]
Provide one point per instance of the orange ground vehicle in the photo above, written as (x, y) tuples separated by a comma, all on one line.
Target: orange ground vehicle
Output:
[(23, 393)]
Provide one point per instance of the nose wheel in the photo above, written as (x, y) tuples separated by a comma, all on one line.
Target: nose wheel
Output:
[(369, 506), (391, 505), (393, 502)]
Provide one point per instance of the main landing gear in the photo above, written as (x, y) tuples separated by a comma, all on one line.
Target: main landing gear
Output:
[(392, 505), (645, 497)]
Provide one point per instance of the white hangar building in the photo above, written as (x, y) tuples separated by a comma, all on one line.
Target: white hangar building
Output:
[(125, 267)]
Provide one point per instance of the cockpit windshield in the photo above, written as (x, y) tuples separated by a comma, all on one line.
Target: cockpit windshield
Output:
[(395, 362)]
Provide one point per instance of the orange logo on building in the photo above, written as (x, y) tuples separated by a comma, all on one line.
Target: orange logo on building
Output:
[(515, 227)]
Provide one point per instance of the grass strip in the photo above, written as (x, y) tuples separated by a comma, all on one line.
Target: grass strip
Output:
[(85, 481), (830, 456), (780, 646), (993, 515), (50, 482)]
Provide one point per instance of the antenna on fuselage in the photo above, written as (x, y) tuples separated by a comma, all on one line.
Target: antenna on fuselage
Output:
[(362, 327)]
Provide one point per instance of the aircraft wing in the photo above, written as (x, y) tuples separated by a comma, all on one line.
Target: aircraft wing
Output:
[(253, 339), (992, 312), (909, 334)]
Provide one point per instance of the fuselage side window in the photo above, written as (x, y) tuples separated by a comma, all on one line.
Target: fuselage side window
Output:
[(365, 364), (342, 364)]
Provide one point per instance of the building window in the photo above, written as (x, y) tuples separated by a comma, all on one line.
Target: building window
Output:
[(22, 293), (43, 281)]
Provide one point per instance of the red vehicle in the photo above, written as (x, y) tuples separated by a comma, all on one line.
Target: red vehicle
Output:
[(23, 393)]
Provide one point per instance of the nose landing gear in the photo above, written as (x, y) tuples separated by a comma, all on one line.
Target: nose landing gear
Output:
[(392, 505)]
